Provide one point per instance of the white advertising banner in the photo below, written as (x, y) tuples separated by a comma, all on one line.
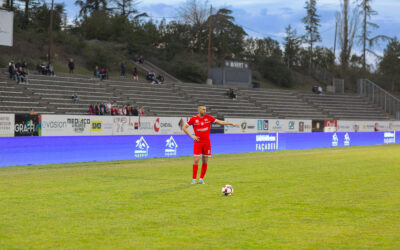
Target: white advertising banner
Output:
[(70, 125), (6, 27), (7, 122), (134, 125), (367, 126), (268, 126)]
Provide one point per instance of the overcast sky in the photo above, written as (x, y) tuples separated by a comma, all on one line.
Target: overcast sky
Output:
[(262, 18)]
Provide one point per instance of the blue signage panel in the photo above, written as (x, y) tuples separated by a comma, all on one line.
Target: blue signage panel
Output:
[(65, 149)]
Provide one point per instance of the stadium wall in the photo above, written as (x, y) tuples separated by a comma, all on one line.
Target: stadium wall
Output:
[(34, 150)]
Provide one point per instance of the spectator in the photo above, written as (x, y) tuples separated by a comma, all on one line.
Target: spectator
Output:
[(91, 110), (96, 72), (160, 78), (136, 58), (75, 98), (24, 65), (141, 59), (12, 70), (103, 74), (141, 111), (19, 75), (317, 90), (32, 112), (71, 66), (135, 112), (43, 69), (108, 107), (123, 68), (24, 75), (122, 110), (114, 110), (135, 74), (102, 109), (50, 69), (231, 94), (18, 65)]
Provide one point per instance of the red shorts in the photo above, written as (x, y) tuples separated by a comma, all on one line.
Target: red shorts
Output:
[(202, 148)]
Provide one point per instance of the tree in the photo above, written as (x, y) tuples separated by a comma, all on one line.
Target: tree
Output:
[(227, 37), (347, 25), (292, 47), (91, 6), (390, 63), (367, 12), (127, 8), (257, 49), (311, 22)]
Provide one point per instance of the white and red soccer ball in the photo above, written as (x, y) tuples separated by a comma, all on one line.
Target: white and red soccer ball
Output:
[(227, 190)]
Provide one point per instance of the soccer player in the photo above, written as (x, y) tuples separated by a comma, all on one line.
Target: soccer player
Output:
[(202, 146)]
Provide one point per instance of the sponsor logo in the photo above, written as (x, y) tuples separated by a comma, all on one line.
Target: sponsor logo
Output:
[(266, 143), (389, 138), (158, 125), (171, 147), (202, 129), (262, 125), (96, 126), (277, 125), (301, 126), (335, 140), (243, 126), (28, 127), (78, 125), (141, 148), (268, 138), (291, 125), (54, 124), (347, 139)]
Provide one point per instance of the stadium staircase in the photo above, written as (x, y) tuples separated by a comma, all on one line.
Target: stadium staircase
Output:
[(52, 95)]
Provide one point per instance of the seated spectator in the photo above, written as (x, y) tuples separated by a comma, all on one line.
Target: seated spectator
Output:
[(135, 74), (32, 112), (43, 68), (75, 98), (24, 65), (18, 65), (317, 90), (24, 75), (96, 72), (141, 59), (150, 76), (136, 58), (103, 74), (19, 75), (160, 78), (135, 112), (231, 94)]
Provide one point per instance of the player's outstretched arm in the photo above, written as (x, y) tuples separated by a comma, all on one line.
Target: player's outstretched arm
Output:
[(226, 123), (185, 129)]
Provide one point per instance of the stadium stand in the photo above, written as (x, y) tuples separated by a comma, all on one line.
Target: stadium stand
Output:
[(48, 94)]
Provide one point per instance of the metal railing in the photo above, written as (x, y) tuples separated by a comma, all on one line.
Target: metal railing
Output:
[(379, 96)]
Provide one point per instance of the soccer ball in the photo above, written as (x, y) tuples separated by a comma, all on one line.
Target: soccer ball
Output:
[(227, 190)]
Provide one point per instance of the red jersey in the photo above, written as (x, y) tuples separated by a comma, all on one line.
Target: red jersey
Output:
[(202, 126)]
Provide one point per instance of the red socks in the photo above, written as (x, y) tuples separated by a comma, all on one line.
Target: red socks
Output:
[(203, 171), (195, 168)]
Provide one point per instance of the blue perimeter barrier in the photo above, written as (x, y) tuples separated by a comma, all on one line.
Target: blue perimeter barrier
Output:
[(34, 150)]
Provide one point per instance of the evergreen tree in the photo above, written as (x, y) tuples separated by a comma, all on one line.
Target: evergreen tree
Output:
[(311, 22)]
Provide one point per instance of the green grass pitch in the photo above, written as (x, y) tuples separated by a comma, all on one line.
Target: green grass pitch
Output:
[(309, 199)]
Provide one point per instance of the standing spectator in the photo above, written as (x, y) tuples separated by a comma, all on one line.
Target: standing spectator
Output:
[(12, 70), (108, 108), (135, 74), (91, 110), (141, 111), (50, 69), (102, 109), (135, 112), (32, 112), (75, 97), (114, 110), (123, 68), (71, 66)]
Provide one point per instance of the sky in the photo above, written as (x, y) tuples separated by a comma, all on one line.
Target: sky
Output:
[(268, 18)]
